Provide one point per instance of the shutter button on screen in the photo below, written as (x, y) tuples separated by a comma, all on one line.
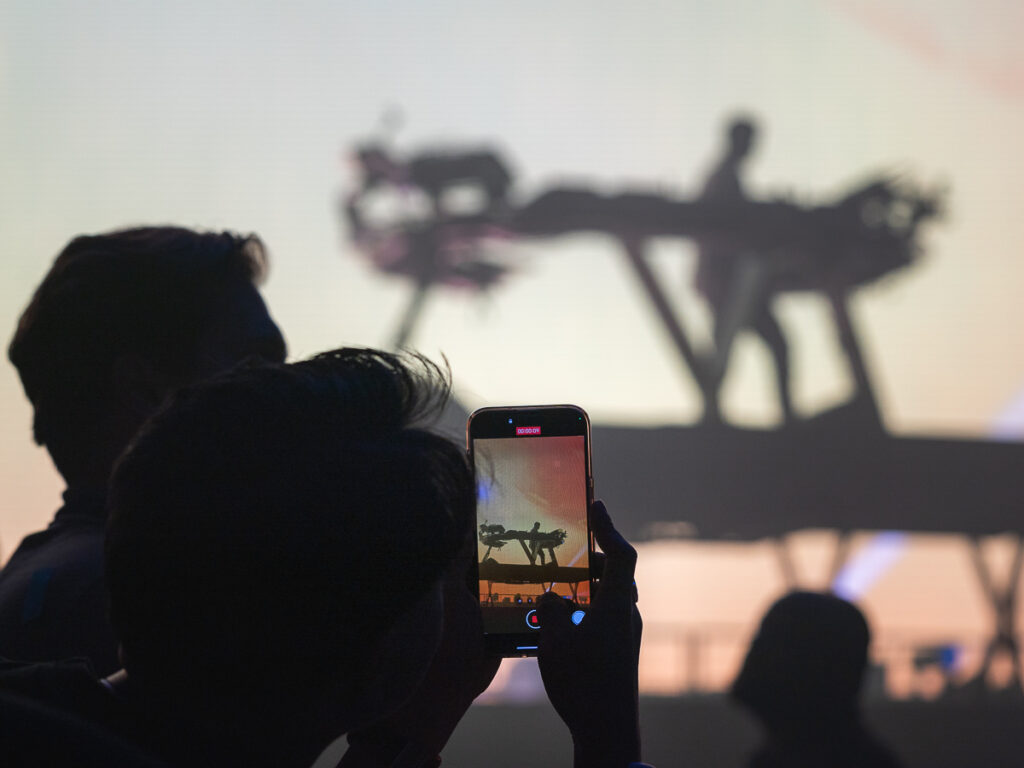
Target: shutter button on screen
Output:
[(532, 620)]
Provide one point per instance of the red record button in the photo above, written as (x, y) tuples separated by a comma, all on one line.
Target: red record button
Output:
[(532, 621)]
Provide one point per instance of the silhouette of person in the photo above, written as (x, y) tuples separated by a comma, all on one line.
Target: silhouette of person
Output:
[(255, 593), (119, 321), (802, 678), (535, 548), (719, 265)]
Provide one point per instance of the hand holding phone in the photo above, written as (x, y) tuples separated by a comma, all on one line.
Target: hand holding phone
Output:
[(590, 668)]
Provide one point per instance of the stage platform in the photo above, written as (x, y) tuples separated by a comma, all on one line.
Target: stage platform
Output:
[(729, 483)]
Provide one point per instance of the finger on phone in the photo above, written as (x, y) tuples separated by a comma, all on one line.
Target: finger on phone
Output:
[(554, 614), (597, 561), (620, 557)]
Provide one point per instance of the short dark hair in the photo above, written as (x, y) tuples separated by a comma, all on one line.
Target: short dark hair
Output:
[(147, 290), (268, 524)]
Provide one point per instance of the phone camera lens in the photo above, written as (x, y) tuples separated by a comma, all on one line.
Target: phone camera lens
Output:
[(510, 421)]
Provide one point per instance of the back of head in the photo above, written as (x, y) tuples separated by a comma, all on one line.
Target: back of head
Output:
[(148, 291), (807, 661), (267, 525)]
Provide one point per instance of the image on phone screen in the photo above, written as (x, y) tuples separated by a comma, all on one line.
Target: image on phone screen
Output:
[(532, 533)]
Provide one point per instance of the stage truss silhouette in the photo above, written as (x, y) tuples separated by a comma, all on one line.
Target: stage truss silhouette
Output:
[(839, 470)]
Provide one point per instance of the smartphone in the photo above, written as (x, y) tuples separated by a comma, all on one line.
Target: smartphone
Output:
[(534, 487)]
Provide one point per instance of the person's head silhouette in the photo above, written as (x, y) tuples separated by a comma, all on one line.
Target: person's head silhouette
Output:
[(124, 317), (806, 663), (741, 133), (274, 549)]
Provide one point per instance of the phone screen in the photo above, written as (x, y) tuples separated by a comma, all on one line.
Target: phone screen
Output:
[(532, 531)]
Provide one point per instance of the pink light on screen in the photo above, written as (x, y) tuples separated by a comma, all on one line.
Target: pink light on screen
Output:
[(527, 430)]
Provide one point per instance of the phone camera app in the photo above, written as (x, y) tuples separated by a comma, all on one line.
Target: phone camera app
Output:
[(532, 526)]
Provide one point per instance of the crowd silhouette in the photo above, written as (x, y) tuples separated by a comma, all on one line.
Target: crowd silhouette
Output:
[(255, 610), (220, 586)]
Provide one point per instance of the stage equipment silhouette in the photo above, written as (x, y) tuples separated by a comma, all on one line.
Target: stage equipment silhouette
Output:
[(838, 469), (749, 250), (537, 545)]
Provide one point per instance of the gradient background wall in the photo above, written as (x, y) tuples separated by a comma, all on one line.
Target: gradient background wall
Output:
[(237, 115)]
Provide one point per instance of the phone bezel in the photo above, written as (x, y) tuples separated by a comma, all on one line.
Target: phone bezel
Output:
[(500, 422)]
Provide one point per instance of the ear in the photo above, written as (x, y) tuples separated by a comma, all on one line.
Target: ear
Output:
[(139, 385)]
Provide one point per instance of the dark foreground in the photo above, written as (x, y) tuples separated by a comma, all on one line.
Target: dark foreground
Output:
[(708, 732)]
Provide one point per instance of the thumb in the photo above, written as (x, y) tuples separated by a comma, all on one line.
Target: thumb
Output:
[(554, 614)]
